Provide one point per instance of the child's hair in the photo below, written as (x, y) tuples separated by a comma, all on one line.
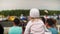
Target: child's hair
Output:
[(50, 22), (16, 21)]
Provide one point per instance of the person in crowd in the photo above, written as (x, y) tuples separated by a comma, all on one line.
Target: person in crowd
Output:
[(1, 29), (23, 20), (54, 22), (49, 24), (46, 29), (43, 19), (22, 17), (35, 24), (15, 29)]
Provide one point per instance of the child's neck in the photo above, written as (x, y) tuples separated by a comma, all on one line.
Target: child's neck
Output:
[(48, 26), (14, 25)]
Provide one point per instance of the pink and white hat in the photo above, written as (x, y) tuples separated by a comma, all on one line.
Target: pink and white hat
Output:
[(34, 13)]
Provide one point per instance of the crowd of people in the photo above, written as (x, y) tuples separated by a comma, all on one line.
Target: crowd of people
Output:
[(35, 25)]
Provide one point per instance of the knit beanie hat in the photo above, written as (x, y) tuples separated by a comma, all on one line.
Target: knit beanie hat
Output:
[(34, 13)]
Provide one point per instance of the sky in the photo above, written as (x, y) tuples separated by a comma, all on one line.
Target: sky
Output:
[(28, 4)]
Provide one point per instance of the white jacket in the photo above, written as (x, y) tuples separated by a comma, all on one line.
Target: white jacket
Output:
[(36, 27)]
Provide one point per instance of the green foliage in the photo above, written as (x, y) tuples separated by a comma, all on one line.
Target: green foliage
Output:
[(14, 12), (26, 12)]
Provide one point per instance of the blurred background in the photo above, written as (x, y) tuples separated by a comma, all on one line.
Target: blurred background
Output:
[(9, 9)]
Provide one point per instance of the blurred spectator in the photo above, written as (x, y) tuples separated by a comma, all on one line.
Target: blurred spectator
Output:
[(49, 24), (46, 30), (35, 24), (58, 17), (1, 29), (22, 17), (54, 23), (15, 29), (43, 19), (23, 20)]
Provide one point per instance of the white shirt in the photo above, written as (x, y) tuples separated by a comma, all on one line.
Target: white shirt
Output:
[(35, 27)]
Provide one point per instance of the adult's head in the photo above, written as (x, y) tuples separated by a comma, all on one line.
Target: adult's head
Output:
[(49, 23), (34, 13), (54, 22), (16, 21)]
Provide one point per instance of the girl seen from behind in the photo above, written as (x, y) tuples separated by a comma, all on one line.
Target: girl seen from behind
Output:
[(15, 29), (35, 24)]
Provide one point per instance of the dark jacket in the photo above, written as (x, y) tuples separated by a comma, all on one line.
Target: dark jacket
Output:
[(1, 29)]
